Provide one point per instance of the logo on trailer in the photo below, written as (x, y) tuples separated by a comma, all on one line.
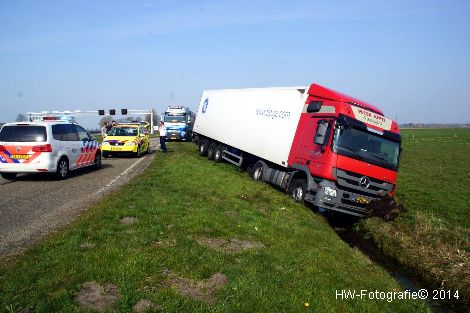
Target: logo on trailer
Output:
[(364, 182), (204, 105)]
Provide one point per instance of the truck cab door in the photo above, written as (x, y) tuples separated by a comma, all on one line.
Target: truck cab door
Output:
[(311, 154)]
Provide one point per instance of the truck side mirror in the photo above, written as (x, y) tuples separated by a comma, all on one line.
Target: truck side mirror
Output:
[(320, 135), (314, 106)]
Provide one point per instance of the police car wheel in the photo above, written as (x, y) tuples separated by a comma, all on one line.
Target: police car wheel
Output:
[(9, 176), (97, 161), (62, 168)]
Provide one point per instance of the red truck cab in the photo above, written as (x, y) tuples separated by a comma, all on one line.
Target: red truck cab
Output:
[(349, 149)]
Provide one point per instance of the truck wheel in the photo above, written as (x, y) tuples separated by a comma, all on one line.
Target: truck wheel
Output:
[(203, 145), (211, 151), (218, 153), (298, 189), (62, 168), (258, 170), (9, 176)]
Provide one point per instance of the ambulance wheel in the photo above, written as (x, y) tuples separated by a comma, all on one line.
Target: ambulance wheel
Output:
[(9, 176), (138, 153), (219, 149), (106, 155), (298, 189), (147, 151), (62, 168), (203, 145), (211, 151), (97, 161), (258, 170)]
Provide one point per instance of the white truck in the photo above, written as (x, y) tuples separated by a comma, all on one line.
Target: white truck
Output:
[(179, 121)]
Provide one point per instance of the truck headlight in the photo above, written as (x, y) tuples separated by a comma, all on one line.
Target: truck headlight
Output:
[(330, 191)]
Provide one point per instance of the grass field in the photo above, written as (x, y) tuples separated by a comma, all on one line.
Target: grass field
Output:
[(196, 218), (433, 238)]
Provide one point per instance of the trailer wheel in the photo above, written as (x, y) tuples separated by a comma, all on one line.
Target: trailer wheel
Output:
[(219, 149), (258, 170), (203, 145), (297, 190), (211, 151)]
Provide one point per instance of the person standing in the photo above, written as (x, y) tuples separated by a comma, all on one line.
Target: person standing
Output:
[(113, 123), (162, 131), (104, 130)]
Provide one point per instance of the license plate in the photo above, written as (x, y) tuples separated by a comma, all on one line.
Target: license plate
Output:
[(362, 200), (20, 156), (115, 149)]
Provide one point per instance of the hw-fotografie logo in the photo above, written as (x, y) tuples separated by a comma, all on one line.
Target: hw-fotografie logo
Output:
[(204, 105)]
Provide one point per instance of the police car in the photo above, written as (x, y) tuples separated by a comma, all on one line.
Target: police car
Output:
[(46, 146)]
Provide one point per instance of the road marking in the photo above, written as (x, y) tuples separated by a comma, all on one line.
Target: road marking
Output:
[(125, 172), (120, 175)]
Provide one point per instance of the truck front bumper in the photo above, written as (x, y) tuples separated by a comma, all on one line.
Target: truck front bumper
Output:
[(346, 201)]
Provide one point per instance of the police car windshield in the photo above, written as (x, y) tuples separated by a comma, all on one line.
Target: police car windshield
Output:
[(174, 118), (23, 133), (123, 131)]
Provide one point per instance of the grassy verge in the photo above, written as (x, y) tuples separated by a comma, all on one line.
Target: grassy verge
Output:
[(180, 199), (433, 238)]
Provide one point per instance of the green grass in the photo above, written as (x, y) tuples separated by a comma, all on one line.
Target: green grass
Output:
[(434, 174), (303, 259), (433, 238)]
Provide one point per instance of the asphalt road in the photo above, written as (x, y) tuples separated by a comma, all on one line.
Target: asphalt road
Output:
[(35, 205)]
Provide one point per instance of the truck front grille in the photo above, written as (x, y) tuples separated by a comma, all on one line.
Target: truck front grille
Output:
[(352, 181)]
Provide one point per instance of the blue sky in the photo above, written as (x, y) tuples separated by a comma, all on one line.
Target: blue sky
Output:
[(410, 58)]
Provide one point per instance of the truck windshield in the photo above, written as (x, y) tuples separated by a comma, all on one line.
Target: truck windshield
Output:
[(366, 146), (174, 118)]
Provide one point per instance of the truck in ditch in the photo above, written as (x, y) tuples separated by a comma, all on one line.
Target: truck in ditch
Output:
[(319, 145)]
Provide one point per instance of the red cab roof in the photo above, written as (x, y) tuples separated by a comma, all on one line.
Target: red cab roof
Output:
[(330, 94)]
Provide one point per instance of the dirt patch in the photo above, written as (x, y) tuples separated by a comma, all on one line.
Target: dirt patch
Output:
[(231, 245), (93, 296), (387, 208), (146, 306), (232, 213), (27, 310), (203, 290), (86, 246), (171, 242), (128, 220)]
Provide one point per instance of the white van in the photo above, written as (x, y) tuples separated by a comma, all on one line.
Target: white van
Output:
[(49, 146)]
